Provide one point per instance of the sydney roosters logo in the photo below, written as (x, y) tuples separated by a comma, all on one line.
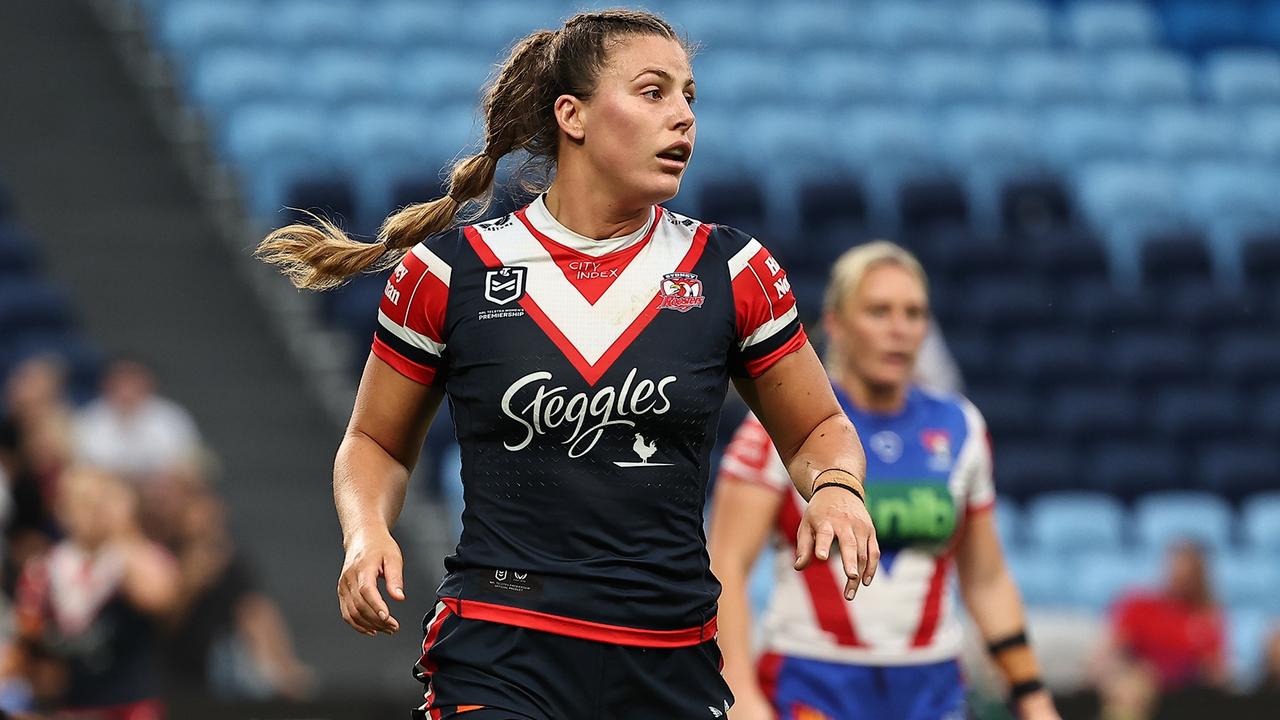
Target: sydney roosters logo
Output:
[(541, 407), (681, 291)]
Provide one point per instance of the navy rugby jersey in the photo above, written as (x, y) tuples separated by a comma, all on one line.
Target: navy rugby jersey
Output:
[(585, 379)]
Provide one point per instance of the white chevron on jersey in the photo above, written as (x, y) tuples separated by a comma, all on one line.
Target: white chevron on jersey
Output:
[(590, 328)]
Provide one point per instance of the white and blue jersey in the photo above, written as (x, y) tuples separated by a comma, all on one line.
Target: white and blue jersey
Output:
[(928, 468)]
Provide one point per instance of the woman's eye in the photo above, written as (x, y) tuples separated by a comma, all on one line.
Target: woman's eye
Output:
[(690, 99), (655, 94)]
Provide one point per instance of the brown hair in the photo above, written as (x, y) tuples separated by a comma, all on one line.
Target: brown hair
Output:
[(517, 108)]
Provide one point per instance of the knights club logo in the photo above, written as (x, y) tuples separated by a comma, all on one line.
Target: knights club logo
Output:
[(681, 291), (504, 285), (938, 444)]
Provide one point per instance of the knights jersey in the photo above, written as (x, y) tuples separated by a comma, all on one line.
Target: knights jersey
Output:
[(928, 467), (585, 379)]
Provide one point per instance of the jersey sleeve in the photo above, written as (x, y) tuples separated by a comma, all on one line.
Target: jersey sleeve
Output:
[(751, 458), (410, 335), (980, 487), (766, 318)]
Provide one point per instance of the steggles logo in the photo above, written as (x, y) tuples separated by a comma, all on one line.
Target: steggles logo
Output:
[(541, 408)]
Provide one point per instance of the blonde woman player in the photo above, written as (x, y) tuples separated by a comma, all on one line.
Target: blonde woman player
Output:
[(585, 344), (891, 653)]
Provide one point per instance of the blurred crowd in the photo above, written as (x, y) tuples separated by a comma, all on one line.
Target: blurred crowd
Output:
[(121, 585)]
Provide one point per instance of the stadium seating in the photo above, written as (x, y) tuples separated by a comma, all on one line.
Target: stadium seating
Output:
[(1162, 518), (1071, 523)]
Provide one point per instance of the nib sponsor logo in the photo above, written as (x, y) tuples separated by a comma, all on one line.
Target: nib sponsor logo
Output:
[(542, 408)]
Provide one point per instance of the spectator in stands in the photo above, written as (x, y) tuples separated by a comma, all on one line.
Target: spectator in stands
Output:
[(35, 390), (129, 429), (222, 612), (92, 606), (1163, 640)]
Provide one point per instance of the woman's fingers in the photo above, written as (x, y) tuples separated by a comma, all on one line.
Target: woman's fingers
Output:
[(853, 561), (873, 558), (804, 546)]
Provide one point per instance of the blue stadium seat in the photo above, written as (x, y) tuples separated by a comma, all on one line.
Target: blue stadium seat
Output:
[(1094, 412), (1262, 133), (411, 24), (1246, 578), (1011, 413), (1266, 411), (1161, 518), (1047, 357), (191, 27), (1260, 256), (380, 144), (1214, 308), (1080, 136), (1104, 26), (832, 207), (1040, 78), (1247, 358), (1175, 260), (1267, 24), (941, 78), (1184, 135), (341, 76), (910, 25), (226, 78), (1132, 469), (1103, 577), (720, 25), (886, 146), (1238, 468), (990, 146), (1247, 628), (831, 77), (436, 76), (1260, 522), (302, 25), (1141, 79), (31, 306), (1243, 77), (1245, 191), (1154, 357), (18, 254), (1014, 303), (1070, 523), (1127, 204), (1108, 310), (1005, 25), (802, 24), (732, 77), (972, 349), (1074, 258), (274, 145), (1196, 412), (1041, 579), (494, 25), (1009, 523), (1198, 27), (1025, 469)]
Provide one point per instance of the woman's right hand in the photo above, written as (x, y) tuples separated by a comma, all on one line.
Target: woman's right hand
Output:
[(370, 556), (752, 706)]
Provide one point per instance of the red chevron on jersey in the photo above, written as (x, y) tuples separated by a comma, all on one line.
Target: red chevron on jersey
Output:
[(592, 275), (592, 335)]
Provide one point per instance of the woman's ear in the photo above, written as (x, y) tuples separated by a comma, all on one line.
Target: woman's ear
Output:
[(569, 115)]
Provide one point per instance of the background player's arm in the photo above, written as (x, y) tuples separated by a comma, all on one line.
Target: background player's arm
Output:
[(794, 401), (370, 476), (742, 517), (996, 607)]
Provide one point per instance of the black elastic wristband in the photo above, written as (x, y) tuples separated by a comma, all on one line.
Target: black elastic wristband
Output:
[(850, 488), (1018, 639), (1025, 688)]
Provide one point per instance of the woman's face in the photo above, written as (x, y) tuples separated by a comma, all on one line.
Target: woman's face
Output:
[(881, 326), (637, 129)]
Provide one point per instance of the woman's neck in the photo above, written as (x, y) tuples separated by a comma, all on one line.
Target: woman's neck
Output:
[(872, 398), (593, 212)]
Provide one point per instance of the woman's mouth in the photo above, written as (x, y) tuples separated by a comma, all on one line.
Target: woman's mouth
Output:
[(676, 156)]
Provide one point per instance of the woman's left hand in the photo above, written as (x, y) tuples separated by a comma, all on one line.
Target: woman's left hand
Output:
[(1037, 706), (835, 514)]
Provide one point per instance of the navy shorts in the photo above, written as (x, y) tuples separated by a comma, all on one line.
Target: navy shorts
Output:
[(478, 670), (803, 689)]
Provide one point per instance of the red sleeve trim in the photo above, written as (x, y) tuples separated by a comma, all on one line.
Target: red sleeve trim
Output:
[(758, 366), (583, 629), (984, 507), (401, 364)]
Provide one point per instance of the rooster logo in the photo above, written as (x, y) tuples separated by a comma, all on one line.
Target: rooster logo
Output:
[(681, 292), (644, 450)]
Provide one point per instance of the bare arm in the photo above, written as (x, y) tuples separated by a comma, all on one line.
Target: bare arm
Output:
[(794, 402), (993, 601), (370, 477), (261, 624), (741, 518), (151, 578)]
